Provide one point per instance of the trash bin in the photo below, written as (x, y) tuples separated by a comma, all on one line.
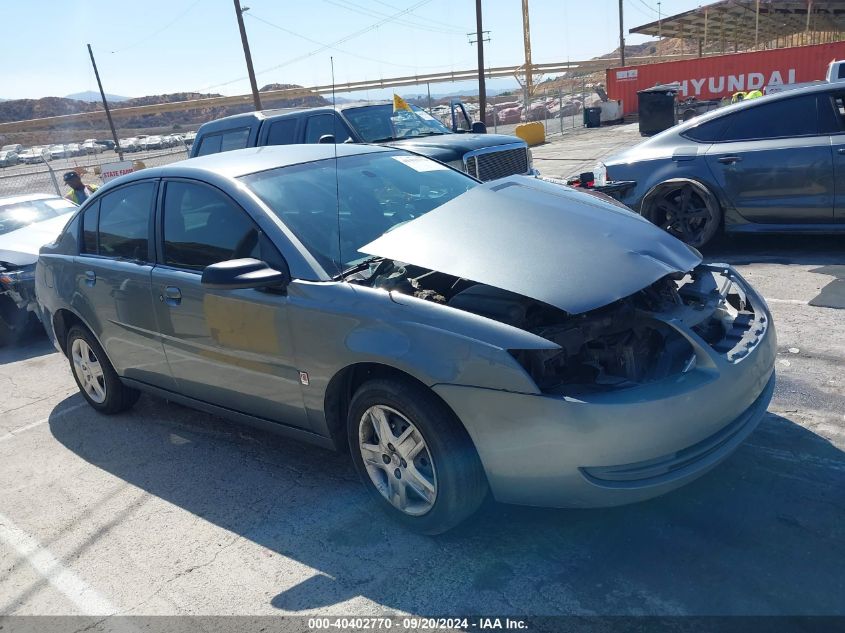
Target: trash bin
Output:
[(656, 109), (592, 117)]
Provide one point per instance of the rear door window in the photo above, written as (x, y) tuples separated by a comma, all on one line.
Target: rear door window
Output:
[(124, 222), (236, 139), (321, 124), (282, 132), (784, 118)]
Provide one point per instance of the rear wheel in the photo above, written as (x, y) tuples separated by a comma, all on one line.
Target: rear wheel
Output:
[(686, 210), (96, 378), (416, 460)]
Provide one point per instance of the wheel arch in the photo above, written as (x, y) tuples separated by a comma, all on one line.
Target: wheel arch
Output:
[(63, 320), (343, 385)]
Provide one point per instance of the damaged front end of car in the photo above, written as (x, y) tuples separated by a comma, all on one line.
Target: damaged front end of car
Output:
[(17, 298), (646, 337)]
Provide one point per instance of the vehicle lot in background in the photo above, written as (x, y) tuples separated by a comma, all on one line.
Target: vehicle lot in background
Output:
[(152, 508)]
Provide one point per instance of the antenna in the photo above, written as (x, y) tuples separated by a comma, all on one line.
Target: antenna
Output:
[(336, 176)]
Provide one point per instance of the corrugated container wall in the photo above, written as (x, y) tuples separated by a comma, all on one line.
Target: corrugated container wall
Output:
[(722, 75)]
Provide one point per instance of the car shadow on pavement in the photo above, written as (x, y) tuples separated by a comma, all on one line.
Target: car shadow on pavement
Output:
[(777, 249), (761, 534), (33, 342)]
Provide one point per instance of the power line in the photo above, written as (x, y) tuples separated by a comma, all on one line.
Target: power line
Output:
[(325, 47), (649, 7), (335, 48), (366, 11), (161, 30), (419, 17)]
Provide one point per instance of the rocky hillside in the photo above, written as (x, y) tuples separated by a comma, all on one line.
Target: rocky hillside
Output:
[(25, 109)]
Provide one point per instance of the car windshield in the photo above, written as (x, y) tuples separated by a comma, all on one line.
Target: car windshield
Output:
[(336, 207), (17, 215), (378, 123)]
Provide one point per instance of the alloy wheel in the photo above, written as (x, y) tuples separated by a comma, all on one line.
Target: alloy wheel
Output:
[(684, 213), (88, 370), (397, 460)]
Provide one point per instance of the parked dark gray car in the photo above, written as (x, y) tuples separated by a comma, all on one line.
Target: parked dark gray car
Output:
[(457, 336), (770, 165)]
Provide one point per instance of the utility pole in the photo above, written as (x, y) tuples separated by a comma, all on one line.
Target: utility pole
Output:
[(117, 147), (621, 36), (526, 37), (482, 89), (256, 99)]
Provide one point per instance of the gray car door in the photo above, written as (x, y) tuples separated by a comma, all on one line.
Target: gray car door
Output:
[(774, 162), (835, 122), (113, 293), (230, 348)]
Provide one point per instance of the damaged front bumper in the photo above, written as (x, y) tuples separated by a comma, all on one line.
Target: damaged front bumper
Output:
[(17, 289), (617, 447)]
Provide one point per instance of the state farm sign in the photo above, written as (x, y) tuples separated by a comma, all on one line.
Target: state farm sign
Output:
[(111, 171)]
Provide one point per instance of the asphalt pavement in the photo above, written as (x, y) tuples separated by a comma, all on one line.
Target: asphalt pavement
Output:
[(168, 511)]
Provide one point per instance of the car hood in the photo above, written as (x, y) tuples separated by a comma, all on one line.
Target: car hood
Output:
[(456, 142), (541, 240), (20, 247)]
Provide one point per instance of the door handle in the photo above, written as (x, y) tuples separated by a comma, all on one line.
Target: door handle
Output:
[(841, 150), (90, 278), (172, 296), (729, 160)]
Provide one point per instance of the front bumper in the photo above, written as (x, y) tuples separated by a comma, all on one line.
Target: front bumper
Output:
[(620, 447)]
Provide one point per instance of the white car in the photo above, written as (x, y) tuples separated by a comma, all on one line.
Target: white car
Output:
[(59, 151), (152, 142), (129, 144), (26, 224), (17, 148), (91, 146), (35, 155)]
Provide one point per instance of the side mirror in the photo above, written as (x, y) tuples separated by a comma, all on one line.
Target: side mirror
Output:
[(479, 128), (326, 138), (242, 273)]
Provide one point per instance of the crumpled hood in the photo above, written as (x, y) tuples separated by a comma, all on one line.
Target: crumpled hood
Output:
[(540, 240), (20, 247)]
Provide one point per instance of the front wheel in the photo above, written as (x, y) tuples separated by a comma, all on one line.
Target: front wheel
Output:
[(685, 209), (413, 455)]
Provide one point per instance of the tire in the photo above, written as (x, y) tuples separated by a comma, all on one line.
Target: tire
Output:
[(446, 460), (685, 209), (94, 374)]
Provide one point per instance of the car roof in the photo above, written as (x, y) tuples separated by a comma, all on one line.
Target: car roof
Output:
[(250, 118), (27, 198), (240, 162)]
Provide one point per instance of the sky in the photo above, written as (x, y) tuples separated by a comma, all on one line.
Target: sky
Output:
[(150, 47)]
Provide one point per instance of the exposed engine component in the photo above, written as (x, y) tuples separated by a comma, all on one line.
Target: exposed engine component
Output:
[(620, 345)]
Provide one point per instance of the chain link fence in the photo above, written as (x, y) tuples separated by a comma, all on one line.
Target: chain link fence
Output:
[(46, 177), (559, 110)]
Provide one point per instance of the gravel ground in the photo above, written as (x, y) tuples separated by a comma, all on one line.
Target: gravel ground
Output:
[(167, 511)]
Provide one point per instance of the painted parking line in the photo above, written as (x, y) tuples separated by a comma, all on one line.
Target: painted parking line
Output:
[(87, 599), (797, 302), (15, 432)]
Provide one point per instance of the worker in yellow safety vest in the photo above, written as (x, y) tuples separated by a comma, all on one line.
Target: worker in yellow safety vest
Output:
[(754, 94), (79, 191)]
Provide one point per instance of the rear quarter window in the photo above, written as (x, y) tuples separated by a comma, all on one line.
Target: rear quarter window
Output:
[(709, 131)]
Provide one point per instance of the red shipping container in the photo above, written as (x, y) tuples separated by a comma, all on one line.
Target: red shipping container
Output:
[(722, 75)]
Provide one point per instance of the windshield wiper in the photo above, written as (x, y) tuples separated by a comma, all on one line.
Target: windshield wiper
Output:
[(362, 265), (384, 140)]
